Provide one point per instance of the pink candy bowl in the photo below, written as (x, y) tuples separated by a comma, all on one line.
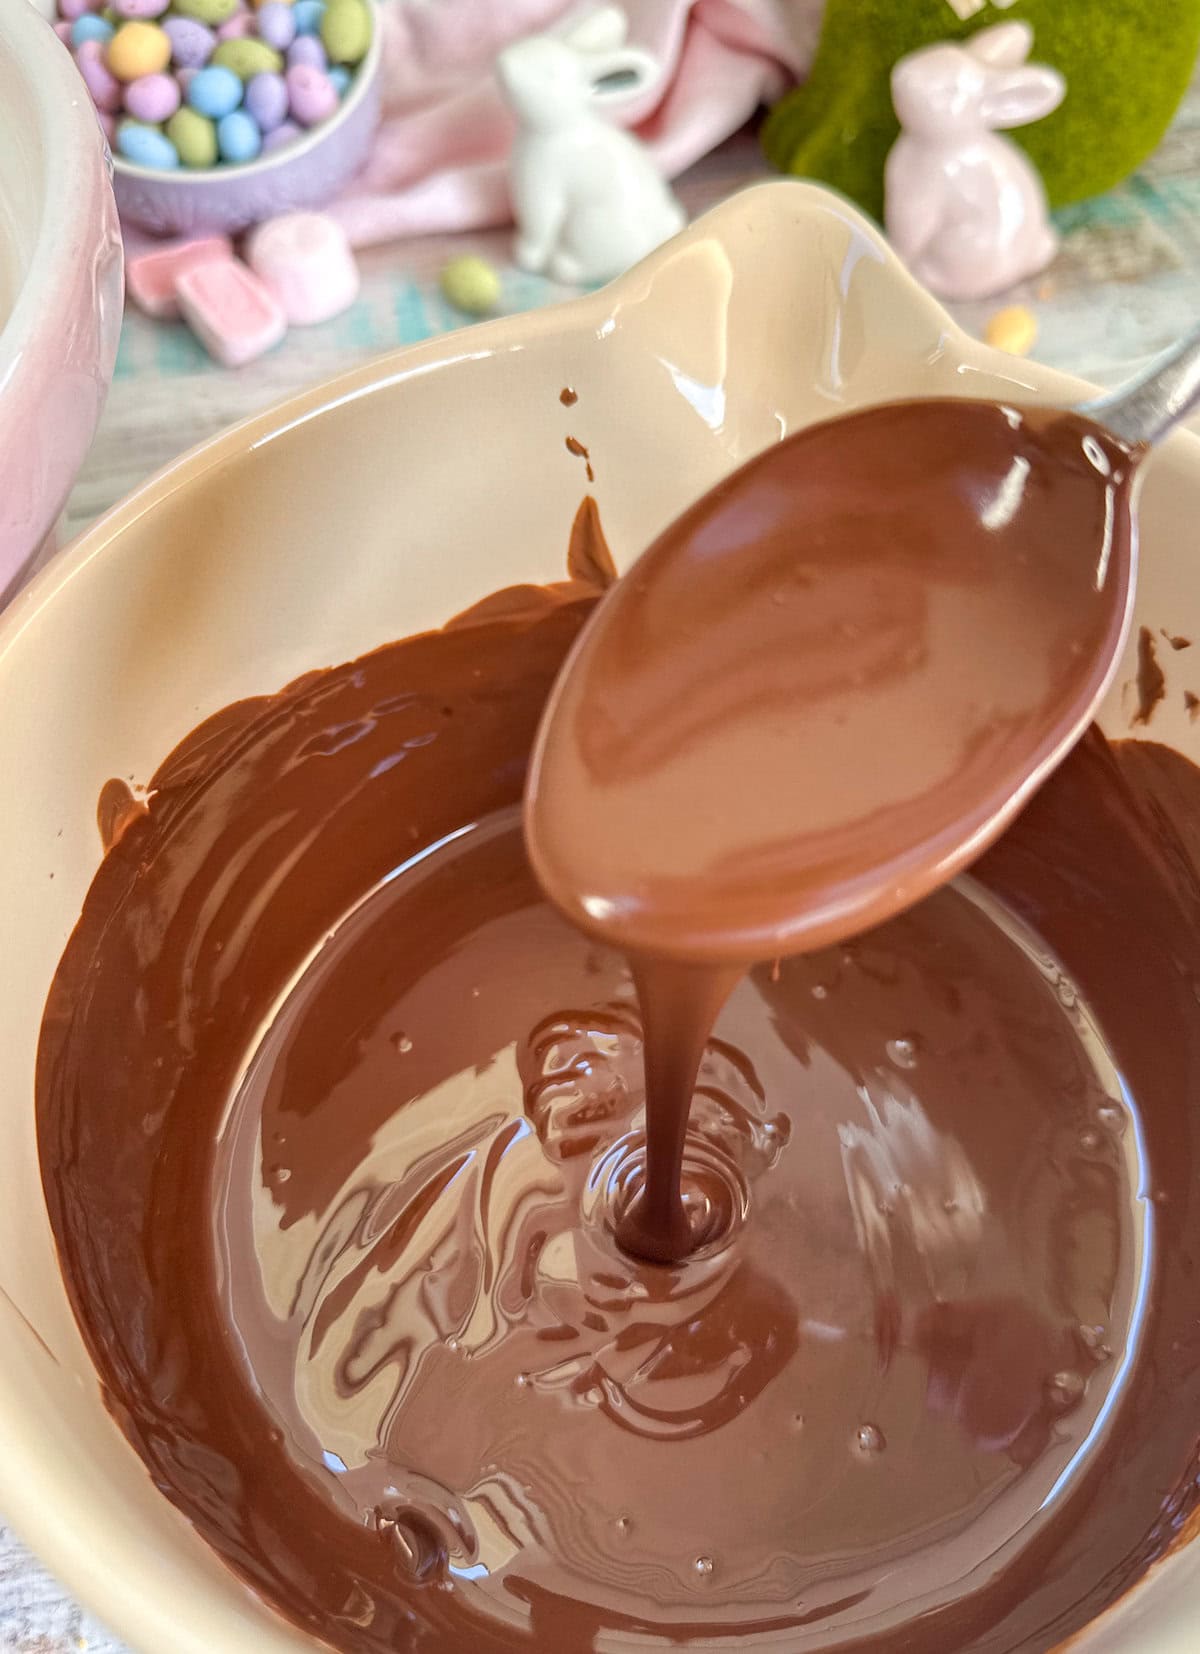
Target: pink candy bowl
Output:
[(231, 198), (60, 285)]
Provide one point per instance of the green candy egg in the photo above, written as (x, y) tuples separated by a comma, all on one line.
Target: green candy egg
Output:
[(212, 12), (194, 136), (471, 284), (346, 31), (248, 57)]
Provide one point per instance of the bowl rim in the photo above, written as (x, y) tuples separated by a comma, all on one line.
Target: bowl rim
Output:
[(500, 334), (193, 177), (62, 1543), (67, 122)]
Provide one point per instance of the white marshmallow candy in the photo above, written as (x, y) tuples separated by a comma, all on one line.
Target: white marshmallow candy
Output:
[(305, 260)]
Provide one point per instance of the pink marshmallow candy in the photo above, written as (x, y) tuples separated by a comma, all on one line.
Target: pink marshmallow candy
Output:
[(152, 98), (306, 262), (150, 277), (99, 80), (231, 312)]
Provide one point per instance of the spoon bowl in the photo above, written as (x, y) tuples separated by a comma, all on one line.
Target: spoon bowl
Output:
[(831, 683)]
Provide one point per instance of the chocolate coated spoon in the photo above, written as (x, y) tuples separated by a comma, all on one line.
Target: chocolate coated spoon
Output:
[(823, 692), (832, 682)]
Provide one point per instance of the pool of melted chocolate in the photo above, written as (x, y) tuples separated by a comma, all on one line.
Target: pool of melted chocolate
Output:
[(339, 1119)]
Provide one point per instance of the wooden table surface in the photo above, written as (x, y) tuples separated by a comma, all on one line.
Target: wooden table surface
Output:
[(1125, 285)]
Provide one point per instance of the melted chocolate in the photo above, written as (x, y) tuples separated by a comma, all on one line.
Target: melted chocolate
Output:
[(338, 1117), (828, 683), (823, 690), (1151, 679), (116, 809), (589, 559), (574, 446)]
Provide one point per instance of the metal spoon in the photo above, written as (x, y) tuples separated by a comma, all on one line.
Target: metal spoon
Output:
[(835, 679), (1147, 408)]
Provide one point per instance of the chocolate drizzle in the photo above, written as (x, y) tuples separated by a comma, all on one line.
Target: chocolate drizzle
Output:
[(822, 691), (116, 810), (574, 446), (1151, 679), (589, 559)]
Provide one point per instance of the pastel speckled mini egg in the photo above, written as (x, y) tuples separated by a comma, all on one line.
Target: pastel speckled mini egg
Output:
[(194, 137), (91, 27), (308, 15), (130, 9), (238, 136), (311, 95), (153, 98), (146, 146), (306, 51), (214, 91), (345, 31), (277, 24), (248, 58), (100, 81), (138, 49), (212, 12), (267, 100), (192, 43)]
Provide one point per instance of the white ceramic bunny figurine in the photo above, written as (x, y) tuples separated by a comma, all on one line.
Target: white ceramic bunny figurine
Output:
[(588, 200), (966, 209)]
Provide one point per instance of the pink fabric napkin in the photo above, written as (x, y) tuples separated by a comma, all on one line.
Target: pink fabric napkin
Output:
[(440, 160)]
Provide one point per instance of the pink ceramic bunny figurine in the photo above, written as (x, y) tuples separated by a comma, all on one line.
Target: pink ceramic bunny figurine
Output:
[(966, 209)]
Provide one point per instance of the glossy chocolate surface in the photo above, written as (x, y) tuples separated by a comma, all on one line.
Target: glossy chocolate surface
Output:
[(829, 683), (336, 1115)]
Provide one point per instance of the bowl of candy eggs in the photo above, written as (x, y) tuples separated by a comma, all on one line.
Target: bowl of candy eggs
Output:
[(60, 287), (221, 113)]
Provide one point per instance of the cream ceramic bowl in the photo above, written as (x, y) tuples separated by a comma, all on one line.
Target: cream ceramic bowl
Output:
[(60, 284), (370, 508)]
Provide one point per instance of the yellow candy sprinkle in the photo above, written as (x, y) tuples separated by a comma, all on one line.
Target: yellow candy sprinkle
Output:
[(138, 49), (1013, 329)]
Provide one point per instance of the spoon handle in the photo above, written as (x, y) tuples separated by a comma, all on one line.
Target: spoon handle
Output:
[(1148, 407)]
